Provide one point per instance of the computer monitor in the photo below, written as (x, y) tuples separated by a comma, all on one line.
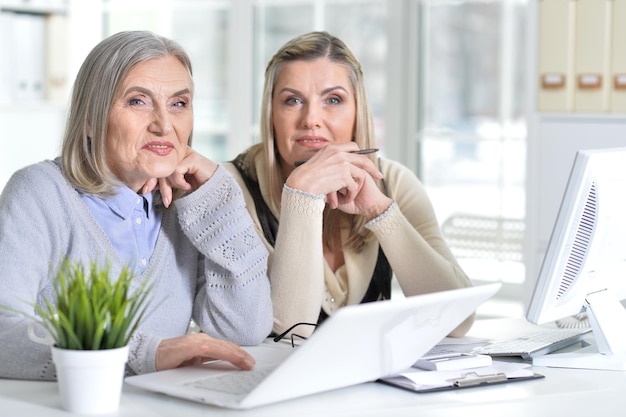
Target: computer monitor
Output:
[(584, 268)]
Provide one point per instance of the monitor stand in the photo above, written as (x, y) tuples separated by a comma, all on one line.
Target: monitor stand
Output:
[(607, 350)]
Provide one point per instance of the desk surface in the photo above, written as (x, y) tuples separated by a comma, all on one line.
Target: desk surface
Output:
[(563, 392)]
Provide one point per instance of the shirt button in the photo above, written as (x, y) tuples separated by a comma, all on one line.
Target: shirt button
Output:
[(138, 220), (144, 262)]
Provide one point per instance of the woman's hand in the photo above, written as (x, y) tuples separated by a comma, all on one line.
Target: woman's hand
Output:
[(190, 173), (197, 348), (368, 201), (346, 179)]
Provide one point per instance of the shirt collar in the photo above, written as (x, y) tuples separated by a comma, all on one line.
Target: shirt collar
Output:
[(125, 201)]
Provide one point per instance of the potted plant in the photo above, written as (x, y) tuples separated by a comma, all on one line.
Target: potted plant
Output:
[(90, 322)]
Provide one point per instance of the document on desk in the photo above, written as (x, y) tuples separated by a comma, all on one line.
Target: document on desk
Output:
[(498, 372)]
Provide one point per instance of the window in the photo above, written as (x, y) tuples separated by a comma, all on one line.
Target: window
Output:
[(472, 130)]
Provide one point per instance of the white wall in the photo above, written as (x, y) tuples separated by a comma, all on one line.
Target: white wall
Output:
[(31, 131), (551, 153), (556, 134), (29, 134)]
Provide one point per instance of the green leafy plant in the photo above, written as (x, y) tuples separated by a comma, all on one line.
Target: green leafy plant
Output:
[(90, 311)]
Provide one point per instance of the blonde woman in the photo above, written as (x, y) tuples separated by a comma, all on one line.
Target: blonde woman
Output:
[(337, 223)]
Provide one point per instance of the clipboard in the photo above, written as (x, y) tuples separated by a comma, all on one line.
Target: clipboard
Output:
[(470, 379)]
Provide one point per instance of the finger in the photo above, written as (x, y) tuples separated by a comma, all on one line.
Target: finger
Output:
[(149, 186), (193, 172), (331, 200), (166, 191), (365, 163), (346, 195), (178, 179), (231, 353), (197, 348)]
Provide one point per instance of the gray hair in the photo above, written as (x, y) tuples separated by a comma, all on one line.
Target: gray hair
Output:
[(83, 151)]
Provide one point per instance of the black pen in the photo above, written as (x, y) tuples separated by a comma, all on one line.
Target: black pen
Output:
[(360, 152)]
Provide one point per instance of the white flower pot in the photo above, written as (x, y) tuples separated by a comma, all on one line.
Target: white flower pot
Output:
[(90, 381)]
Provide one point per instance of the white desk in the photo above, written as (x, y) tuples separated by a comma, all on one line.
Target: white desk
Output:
[(563, 392)]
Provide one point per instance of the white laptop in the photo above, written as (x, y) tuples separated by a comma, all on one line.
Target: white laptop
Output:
[(356, 344)]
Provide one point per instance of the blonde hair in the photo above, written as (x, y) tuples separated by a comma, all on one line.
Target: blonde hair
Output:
[(83, 151), (309, 47)]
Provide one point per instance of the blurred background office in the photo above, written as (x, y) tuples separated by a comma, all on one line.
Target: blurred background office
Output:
[(486, 100)]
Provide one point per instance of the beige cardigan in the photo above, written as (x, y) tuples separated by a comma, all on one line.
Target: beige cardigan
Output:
[(409, 233)]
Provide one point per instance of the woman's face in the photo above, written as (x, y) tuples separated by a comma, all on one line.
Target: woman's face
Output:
[(313, 105), (150, 121)]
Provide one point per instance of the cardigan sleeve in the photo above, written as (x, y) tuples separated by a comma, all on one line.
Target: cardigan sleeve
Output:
[(31, 215), (411, 238), (297, 267), (233, 294)]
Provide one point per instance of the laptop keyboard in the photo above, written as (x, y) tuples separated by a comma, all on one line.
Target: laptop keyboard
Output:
[(534, 344), (235, 382)]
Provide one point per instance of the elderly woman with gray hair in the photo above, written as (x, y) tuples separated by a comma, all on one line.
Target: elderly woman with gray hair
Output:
[(127, 138)]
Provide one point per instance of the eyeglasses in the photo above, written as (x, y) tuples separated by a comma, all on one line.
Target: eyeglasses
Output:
[(283, 334)]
